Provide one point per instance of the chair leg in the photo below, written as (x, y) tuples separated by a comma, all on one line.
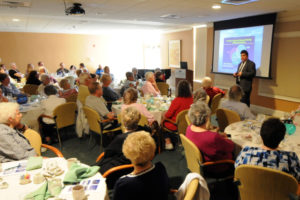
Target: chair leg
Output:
[(59, 140)]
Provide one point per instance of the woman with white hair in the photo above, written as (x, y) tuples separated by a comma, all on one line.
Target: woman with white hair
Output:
[(45, 79), (66, 91), (212, 145), (147, 181), (234, 104), (210, 89), (13, 145), (150, 87)]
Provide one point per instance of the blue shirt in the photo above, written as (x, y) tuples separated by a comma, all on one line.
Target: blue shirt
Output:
[(281, 160)]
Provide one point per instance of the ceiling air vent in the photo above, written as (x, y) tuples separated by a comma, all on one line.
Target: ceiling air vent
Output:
[(15, 4), (237, 2)]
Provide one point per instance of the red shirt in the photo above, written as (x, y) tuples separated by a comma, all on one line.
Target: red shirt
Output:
[(178, 104), (212, 145), (212, 91)]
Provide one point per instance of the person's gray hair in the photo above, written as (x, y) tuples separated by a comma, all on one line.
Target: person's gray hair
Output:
[(235, 93), (8, 110), (148, 75), (83, 76), (200, 95), (199, 113), (44, 77)]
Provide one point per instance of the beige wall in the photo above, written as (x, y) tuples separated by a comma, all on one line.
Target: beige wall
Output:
[(186, 38), (24, 48)]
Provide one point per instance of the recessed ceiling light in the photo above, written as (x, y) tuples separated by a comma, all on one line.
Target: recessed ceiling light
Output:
[(15, 20), (216, 6)]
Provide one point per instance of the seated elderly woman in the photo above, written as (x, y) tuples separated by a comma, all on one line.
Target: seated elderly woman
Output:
[(268, 155), (66, 91), (150, 86), (212, 145), (210, 90), (130, 100), (48, 105), (234, 104), (33, 78), (113, 155), (129, 83), (200, 95), (13, 145), (45, 79), (8, 88), (183, 101), (147, 181)]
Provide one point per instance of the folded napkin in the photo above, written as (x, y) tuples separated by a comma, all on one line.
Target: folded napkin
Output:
[(45, 192), (34, 163), (40, 194), (77, 173)]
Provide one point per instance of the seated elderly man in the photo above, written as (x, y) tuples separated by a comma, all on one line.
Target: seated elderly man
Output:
[(234, 104), (13, 145), (83, 90), (210, 90), (129, 82), (14, 73), (62, 70), (8, 89), (268, 155), (147, 181), (108, 93), (95, 102), (150, 86), (45, 79)]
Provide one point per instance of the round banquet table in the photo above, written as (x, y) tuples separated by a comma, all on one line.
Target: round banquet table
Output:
[(18, 192), (247, 133), (31, 112), (157, 107)]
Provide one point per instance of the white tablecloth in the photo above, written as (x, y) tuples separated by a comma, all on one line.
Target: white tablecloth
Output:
[(16, 191), (30, 113), (247, 133)]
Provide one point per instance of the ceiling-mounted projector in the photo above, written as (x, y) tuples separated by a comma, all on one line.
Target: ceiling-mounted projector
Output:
[(75, 10)]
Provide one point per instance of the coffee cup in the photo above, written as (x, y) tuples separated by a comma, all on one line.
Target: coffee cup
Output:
[(78, 192)]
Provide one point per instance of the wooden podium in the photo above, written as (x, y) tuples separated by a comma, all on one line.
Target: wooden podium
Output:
[(178, 75)]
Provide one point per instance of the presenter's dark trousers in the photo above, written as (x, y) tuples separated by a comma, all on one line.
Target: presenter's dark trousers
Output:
[(246, 98)]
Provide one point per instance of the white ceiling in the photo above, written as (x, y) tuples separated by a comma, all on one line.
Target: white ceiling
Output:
[(102, 15)]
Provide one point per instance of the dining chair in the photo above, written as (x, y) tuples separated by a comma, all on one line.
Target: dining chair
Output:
[(207, 99), (114, 173), (96, 124), (181, 122), (196, 163), (35, 141), (256, 182), (226, 117), (30, 89), (163, 88), (215, 102), (64, 115), (188, 120)]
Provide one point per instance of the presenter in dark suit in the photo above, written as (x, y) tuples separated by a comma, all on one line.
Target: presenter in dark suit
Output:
[(244, 76)]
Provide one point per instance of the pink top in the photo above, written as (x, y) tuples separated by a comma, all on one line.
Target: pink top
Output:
[(212, 145), (142, 109), (149, 89), (67, 93)]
